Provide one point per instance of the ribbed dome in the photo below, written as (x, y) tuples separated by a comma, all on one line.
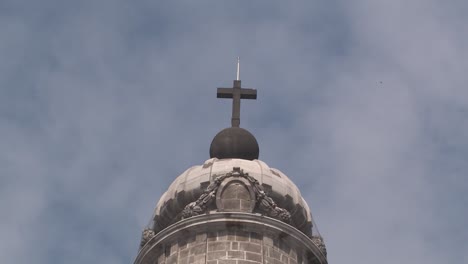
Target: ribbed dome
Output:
[(188, 187)]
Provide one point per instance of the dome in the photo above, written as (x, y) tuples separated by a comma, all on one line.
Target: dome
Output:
[(234, 142), (190, 186)]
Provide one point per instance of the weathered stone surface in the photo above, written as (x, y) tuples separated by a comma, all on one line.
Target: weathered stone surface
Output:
[(253, 257), (231, 238), (236, 254), (190, 185), (147, 235), (251, 247), (217, 255), (236, 191), (219, 245)]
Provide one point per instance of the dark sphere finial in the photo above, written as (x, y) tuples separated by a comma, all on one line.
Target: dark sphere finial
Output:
[(234, 143)]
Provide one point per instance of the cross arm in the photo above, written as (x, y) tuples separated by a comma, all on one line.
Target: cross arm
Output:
[(245, 93)]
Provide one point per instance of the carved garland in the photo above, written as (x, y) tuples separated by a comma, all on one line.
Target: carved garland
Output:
[(264, 204)]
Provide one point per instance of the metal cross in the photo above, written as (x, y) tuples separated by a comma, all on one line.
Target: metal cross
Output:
[(236, 93)]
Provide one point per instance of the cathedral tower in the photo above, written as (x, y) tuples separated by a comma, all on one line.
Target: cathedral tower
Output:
[(232, 209)]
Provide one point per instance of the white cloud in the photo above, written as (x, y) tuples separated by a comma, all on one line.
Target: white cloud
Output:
[(362, 104)]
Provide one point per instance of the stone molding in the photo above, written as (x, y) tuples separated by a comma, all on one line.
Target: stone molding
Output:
[(264, 203), (246, 221)]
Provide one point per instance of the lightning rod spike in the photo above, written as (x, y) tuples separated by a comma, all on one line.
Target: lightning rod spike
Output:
[(238, 68)]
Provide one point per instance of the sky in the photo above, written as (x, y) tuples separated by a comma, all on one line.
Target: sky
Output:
[(363, 104)]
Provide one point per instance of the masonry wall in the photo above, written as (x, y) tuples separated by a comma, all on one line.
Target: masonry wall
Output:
[(228, 247)]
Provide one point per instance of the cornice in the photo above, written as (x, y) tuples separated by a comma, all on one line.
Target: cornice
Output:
[(209, 222)]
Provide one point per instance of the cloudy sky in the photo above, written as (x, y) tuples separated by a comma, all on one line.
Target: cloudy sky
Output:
[(364, 104)]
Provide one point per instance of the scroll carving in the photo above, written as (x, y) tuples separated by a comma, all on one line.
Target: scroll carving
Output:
[(318, 241), (206, 198), (147, 235), (264, 203)]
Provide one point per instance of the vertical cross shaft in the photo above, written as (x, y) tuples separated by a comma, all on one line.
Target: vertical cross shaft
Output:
[(236, 93), (236, 96)]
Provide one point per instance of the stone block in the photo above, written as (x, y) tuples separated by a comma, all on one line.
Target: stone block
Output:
[(212, 236), (216, 255), (247, 262), (199, 259), (183, 261), (246, 205), (274, 253), (242, 236), (253, 256), (190, 239), (172, 259), (184, 253), (231, 205), (271, 260), (198, 249), (226, 235), (251, 247), (221, 234), (182, 244), (235, 254), (219, 246), (268, 241), (201, 237), (174, 249), (234, 245), (255, 238), (227, 261)]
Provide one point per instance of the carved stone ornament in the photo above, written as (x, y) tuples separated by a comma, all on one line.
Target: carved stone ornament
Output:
[(146, 236), (235, 194), (264, 203), (318, 241)]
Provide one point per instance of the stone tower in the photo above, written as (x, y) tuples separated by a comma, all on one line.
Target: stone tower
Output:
[(232, 209)]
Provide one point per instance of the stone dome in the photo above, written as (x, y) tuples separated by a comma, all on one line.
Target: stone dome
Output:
[(195, 183)]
